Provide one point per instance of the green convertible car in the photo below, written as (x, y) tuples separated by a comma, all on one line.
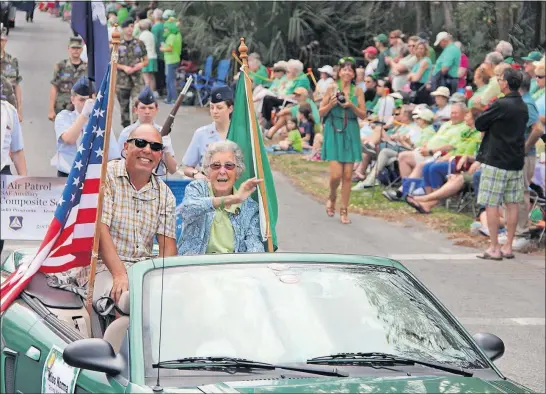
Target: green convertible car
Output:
[(248, 323)]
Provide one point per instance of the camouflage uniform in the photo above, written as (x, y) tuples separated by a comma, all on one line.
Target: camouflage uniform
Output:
[(7, 91), (64, 77), (10, 70), (128, 87)]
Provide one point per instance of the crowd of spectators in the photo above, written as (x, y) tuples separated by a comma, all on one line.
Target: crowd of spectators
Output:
[(424, 125)]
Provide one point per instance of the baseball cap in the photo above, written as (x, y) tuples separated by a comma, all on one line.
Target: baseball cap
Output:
[(425, 114), (382, 38), (457, 98), (75, 42), (300, 91), (327, 69), (534, 56), (441, 36), (370, 50), (441, 91)]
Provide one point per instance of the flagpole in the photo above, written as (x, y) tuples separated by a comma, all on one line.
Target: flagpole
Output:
[(243, 50), (104, 165)]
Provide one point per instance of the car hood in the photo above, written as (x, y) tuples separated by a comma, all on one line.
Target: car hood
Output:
[(432, 384)]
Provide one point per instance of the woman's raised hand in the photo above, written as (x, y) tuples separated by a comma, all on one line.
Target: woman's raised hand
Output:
[(247, 188)]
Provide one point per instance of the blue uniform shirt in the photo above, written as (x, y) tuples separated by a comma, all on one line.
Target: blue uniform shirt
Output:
[(13, 137), (66, 153), (202, 138), (533, 118)]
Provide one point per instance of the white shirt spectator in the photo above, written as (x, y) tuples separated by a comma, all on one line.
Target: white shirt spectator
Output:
[(370, 68), (147, 37), (11, 138), (385, 107), (322, 85), (399, 80)]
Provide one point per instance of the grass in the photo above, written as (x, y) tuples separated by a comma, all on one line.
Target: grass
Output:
[(312, 178)]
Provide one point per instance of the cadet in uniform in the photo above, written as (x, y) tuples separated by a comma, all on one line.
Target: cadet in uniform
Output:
[(11, 143), (6, 90), (69, 127), (10, 70), (221, 106), (65, 75), (146, 109), (132, 58)]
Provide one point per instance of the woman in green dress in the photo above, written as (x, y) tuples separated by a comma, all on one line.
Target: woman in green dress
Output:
[(341, 106)]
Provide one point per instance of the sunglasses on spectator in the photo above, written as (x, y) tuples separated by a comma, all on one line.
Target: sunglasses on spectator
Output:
[(397, 113), (540, 76), (344, 60), (228, 166), (141, 144)]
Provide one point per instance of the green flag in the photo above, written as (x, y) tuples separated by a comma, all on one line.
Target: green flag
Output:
[(241, 132)]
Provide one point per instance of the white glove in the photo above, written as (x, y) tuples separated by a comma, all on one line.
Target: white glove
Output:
[(88, 107), (167, 144)]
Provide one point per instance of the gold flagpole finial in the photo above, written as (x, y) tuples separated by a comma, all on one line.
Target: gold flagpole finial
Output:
[(243, 50)]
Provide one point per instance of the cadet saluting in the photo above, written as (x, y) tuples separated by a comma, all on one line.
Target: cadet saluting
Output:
[(69, 126), (10, 70), (132, 58), (65, 75)]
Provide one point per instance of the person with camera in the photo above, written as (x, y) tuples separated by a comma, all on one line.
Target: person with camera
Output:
[(340, 108)]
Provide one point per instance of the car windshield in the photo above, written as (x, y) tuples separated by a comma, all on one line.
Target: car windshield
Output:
[(289, 313)]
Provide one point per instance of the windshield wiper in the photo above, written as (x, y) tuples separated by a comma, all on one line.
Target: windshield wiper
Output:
[(376, 357), (233, 362)]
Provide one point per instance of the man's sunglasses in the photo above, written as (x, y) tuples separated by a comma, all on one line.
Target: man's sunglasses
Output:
[(228, 166), (141, 144)]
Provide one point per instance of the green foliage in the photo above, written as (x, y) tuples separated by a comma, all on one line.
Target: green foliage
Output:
[(284, 29)]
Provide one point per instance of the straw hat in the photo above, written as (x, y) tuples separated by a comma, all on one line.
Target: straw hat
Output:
[(441, 91)]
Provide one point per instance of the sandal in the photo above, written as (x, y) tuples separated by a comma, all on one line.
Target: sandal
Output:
[(487, 256), (343, 216), (415, 205), (331, 208)]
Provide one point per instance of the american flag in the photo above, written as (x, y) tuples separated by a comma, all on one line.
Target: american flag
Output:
[(68, 242)]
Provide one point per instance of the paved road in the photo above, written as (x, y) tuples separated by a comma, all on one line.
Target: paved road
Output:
[(506, 298)]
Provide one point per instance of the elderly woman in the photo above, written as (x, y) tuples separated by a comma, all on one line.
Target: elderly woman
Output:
[(295, 78), (216, 217)]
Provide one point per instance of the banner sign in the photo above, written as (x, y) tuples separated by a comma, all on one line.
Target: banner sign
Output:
[(58, 376), (28, 205)]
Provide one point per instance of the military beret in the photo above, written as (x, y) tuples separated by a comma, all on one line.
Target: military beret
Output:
[(146, 96), (127, 22), (83, 87), (221, 93)]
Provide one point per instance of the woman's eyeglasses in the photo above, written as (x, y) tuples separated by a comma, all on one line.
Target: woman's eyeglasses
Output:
[(228, 166), (141, 144), (344, 60)]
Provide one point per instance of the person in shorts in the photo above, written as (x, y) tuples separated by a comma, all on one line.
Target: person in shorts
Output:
[(501, 182)]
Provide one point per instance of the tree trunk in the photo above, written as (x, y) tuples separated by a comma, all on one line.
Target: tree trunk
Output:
[(448, 17), (539, 23), (419, 16), (504, 19)]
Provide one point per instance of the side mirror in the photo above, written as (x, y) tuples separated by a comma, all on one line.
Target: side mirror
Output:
[(492, 345), (95, 355)]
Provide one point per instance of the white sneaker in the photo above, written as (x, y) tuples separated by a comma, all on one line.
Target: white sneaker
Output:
[(359, 186), (520, 243)]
